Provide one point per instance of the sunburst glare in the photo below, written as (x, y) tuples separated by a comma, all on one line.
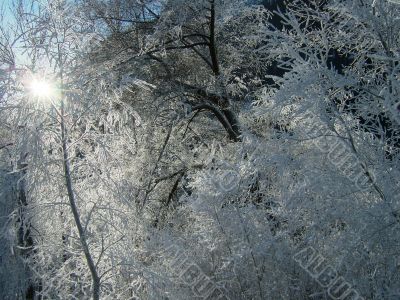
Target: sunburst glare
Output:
[(41, 88)]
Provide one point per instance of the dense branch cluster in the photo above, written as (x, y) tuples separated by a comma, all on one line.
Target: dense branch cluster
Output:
[(209, 149)]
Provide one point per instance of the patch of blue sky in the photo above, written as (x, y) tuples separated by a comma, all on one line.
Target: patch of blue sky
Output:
[(9, 27)]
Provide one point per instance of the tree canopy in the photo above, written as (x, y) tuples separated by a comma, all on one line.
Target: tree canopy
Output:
[(209, 149)]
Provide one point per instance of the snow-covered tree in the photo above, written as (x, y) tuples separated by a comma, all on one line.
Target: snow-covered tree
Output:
[(342, 133), (201, 150)]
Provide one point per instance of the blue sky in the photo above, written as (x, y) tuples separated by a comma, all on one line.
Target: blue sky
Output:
[(5, 4), (7, 23)]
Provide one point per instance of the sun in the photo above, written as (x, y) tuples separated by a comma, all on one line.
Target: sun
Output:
[(40, 88)]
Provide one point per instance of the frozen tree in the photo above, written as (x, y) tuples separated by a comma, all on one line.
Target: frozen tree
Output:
[(182, 65), (197, 56), (191, 149), (341, 125), (57, 139)]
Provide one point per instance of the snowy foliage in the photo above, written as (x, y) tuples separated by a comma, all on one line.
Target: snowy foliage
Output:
[(200, 149)]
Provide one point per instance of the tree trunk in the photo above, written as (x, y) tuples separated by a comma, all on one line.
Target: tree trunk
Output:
[(74, 209)]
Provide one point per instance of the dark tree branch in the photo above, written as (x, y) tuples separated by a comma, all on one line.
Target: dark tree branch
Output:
[(203, 36), (199, 54), (220, 115), (151, 12), (212, 44), (190, 121), (179, 47), (149, 188), (6, 145), (163, 63), (121, 20), (201, 92), (181, 171), (174, 189)]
